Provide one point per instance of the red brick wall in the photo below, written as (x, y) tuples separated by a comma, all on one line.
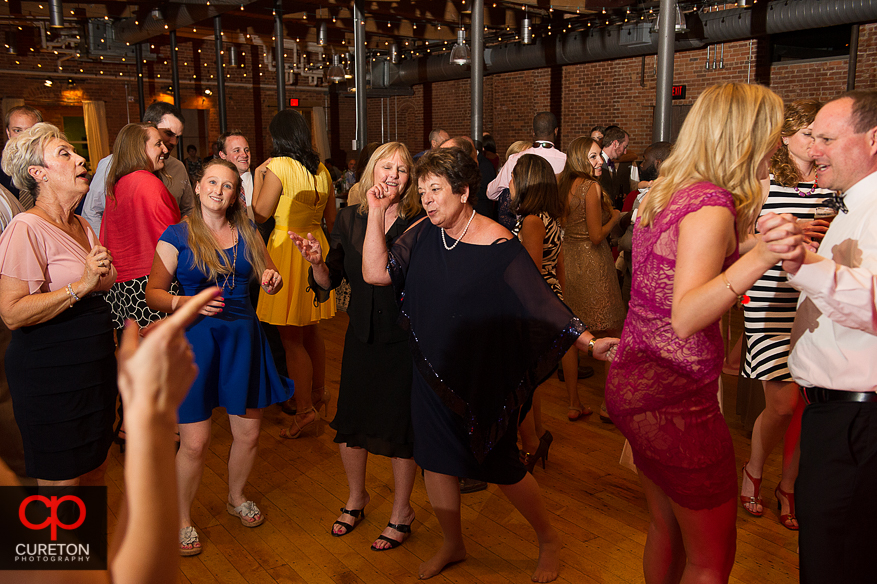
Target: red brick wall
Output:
[(581, 95), (613, 92)]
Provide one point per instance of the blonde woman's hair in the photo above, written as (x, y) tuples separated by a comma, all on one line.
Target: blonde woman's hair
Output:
[(409, 203), (579, 167), (26, 150), (516, 147), (207, 255), (728, 132), (798, 115), (129, 154)]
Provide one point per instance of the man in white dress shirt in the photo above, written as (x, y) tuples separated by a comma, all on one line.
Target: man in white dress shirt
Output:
[(233, 146), (169, 121), (834, 354), (544, 134)]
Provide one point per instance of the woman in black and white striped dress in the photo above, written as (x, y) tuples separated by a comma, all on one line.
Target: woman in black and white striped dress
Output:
[(770, 312)]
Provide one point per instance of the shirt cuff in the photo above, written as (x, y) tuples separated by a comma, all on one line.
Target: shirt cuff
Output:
[(811, 278)]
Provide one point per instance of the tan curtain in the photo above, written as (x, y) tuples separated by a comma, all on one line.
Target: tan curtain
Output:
[(96, 131)]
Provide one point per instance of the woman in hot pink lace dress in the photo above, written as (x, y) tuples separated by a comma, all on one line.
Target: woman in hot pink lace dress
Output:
[(661, 389)]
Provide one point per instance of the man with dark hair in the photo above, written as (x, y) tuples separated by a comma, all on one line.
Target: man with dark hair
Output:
[(233, 146), (653, 157), (834, 353), (613, 180), (544, 134), (436, 138), (545, 124), (169, 121), (19, 119)]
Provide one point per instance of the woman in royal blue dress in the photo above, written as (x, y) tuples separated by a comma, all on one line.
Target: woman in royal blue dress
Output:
[(217, 245)]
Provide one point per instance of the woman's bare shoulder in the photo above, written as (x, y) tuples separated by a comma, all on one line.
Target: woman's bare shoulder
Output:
[(488, 231)]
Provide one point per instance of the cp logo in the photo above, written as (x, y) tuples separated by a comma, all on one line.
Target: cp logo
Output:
[(53, 521)]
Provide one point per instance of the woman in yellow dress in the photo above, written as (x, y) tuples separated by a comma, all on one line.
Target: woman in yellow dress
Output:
[(296, 189)]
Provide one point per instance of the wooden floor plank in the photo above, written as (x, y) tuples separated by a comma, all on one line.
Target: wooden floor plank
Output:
[(596, 504)]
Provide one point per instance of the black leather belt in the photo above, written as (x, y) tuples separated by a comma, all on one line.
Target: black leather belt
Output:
[(823, 395)]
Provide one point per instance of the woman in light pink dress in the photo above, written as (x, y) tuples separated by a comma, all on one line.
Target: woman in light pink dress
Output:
[(60, 363)]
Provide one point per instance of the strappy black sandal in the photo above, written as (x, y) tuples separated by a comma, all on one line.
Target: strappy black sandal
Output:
[(401, 528), (357, 514)]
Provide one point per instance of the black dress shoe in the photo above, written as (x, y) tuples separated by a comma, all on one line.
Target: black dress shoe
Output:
[(471, 486)]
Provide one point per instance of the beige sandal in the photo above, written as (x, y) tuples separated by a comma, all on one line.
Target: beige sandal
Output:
[(188, 536), (246, 510)]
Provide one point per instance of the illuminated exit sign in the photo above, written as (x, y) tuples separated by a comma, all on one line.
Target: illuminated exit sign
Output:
[(678, 92), (293, 101)]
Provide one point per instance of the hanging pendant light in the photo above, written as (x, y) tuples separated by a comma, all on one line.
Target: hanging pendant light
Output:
[(336, 72), (680, 21), (526, 31), (56, 14), (679, 26), (460, 53)]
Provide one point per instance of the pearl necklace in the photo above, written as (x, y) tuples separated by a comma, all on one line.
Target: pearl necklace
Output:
[(234, 262), (462, 235)]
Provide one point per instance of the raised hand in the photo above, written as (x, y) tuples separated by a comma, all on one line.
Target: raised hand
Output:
[(781, 233), (378, 197), (310, 248)]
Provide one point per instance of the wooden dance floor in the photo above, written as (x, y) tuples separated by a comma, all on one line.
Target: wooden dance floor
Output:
[(595, 503)]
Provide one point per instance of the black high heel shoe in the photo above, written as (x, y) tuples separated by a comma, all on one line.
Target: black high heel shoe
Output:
[(119, 439), (541, 452)]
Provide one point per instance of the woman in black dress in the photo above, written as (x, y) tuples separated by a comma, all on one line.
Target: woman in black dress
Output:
[(484, 330), (53, 271), (374, 399)]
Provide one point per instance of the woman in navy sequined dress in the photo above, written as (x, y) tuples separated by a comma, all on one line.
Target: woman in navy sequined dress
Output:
[(485, 330)]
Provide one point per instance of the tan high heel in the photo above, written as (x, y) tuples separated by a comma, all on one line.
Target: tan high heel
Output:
[(299, 430), (320, 398)]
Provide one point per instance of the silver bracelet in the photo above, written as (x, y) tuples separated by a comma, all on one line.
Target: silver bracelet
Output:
[(72, 294)]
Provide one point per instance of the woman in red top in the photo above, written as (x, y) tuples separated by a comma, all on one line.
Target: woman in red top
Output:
[(139, 209)]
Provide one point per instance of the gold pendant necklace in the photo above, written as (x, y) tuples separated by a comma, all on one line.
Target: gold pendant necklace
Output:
[(234, 262)]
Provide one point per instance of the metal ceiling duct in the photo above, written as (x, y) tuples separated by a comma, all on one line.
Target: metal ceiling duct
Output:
[(177, 14), (617, 42)]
